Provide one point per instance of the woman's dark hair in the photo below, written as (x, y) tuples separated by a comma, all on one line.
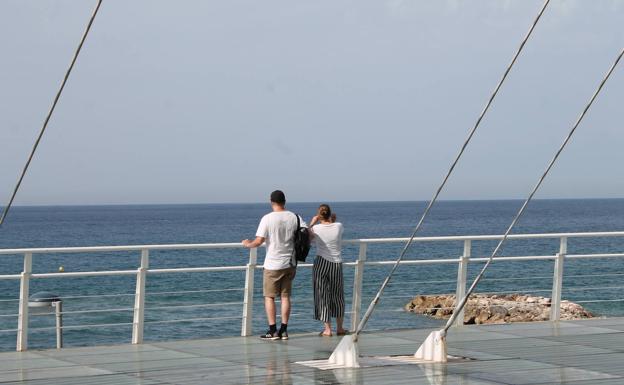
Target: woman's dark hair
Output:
[(324, 212)]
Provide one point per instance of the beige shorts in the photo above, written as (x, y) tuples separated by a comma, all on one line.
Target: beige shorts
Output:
[(278, 283)]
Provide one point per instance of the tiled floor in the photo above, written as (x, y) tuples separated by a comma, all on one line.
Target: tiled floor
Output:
[(577, 352)]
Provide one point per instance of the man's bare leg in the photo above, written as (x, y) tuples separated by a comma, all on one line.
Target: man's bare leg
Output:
[(269, 307), (285, 309)]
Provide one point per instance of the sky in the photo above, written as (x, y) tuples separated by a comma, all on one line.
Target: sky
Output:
[(329, 100)]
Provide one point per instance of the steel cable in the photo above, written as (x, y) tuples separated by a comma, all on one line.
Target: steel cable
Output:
[(374, 302), (462, 303), (47, 119)]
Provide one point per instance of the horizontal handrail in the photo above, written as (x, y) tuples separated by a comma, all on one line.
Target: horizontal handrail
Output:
[(86, 326), (95, 311), (192, 291), (237, 245), (91, 249), (83, 273), (193, 319), (78, 274), (196, 269), (201, 305), (10, 276), (615, 255), (447, 238)]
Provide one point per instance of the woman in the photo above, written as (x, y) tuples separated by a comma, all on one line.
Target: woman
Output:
[(327, 276)]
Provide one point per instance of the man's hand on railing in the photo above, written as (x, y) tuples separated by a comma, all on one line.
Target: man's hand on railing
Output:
[(255, 243)]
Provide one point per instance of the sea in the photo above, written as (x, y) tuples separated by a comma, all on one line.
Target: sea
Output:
[(98, 310)]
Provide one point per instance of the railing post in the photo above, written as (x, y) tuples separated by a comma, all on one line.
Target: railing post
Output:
[(22, 319), (555, 301), (139, 299), (358, 277), (246, 328), (462, 273)]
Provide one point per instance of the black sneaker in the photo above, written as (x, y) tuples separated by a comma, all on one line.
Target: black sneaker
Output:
[(270, 336), (283, 335)]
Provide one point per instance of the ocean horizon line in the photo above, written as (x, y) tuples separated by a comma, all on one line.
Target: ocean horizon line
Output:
[(302, 202)]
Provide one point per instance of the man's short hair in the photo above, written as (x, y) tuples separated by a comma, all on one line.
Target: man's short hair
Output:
[(278, 197)]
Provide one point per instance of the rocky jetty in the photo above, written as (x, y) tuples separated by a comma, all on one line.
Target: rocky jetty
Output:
[(488, 309)]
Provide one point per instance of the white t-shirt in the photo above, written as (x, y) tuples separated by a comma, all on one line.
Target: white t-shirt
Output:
[(328, 241), (278, 229)]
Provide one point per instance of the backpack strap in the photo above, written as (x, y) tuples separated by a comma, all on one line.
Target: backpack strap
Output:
[(293, 260)]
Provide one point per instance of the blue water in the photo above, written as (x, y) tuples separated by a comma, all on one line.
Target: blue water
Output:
[(211, 223)]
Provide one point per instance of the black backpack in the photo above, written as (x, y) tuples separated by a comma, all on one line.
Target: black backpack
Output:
[(302, 242)]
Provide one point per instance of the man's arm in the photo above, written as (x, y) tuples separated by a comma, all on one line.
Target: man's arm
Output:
[(255, 243)]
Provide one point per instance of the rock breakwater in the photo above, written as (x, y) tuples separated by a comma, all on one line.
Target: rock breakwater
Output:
[(487, 309)]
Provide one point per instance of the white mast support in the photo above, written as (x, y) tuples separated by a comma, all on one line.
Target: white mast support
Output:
[(462, 273), (358, 278), (139, 299), (22, 318), (555, 298), (346, 353), (246, 328), (434, 348)]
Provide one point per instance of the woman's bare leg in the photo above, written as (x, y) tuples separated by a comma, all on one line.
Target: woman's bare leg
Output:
[(327, 331), (339, 328)]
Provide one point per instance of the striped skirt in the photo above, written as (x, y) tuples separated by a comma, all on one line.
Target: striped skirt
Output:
[(328, 286)]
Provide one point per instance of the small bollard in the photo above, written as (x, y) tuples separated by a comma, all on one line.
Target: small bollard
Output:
[(46, 299)]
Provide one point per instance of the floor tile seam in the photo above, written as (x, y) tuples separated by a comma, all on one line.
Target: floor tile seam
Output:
[(159, 381), (62, 377), (469, 376), (561, 366), (550, 335), (506, 337), (70, 366), (222, 357), (468, 373), (135, 372), (576, 381), (500, 359), (157, 369), (121, 373), (75, 363), (518, 352), (586, 345), (199, 355), (372, 373), (15, 353), (613, 331), (68, 358), (582, 368), (574, 355), (32, 359), (526, 341), (173, 377), (50, 353)]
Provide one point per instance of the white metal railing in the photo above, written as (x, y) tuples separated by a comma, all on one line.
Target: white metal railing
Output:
[(144, 271)]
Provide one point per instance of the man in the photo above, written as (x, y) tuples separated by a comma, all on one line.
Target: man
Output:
[(277, 229)]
